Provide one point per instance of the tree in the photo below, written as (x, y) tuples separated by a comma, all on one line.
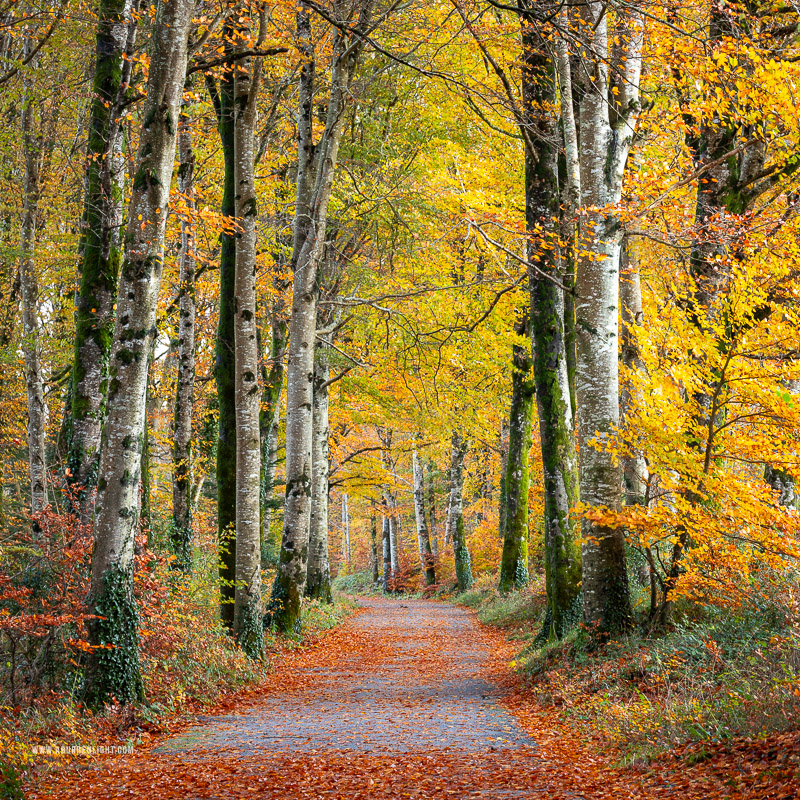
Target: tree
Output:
[(315, 174), (101, 245), (247, 626), (114, 666), (34, 144), (423, 534), (455, 513), (181, 534), (609, 73), (516, 476)]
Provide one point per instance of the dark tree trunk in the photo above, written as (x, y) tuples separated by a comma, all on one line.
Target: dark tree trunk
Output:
[(516, 477)]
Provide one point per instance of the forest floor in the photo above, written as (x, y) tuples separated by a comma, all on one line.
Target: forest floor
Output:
[(407, 698)]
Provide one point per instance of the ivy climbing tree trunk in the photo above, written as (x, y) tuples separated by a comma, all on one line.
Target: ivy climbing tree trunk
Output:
[(100, 247), (313, 196), (608, 113), (113, 670), (181, 534), (33, 149), (514, 560), (318, 582), (423, 534), (455, 513), (247, 627)]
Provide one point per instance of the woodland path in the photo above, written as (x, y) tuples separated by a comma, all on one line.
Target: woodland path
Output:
[(408, 698)]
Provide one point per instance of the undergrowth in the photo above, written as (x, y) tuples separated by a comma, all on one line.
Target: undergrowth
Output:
[(714, 675)]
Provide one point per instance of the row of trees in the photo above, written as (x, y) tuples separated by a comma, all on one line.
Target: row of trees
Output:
[(403, 204)]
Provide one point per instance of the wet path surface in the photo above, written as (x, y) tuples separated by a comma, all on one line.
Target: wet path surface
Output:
[(415, 681)]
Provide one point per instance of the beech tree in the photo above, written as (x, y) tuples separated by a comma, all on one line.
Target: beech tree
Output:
[(101, 245), (315, 173), (114, 664)]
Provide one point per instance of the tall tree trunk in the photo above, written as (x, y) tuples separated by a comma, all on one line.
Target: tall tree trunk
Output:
[(346, 529), (607, 121), (310, 224), (100, 247), (114, 665), (33, 145), (549, 331), (387, 554), (373, 528), (455, 513), (247, 627), (634, 467), (394, 548), (432, 507), (224, 366), (423, 535), (318, 581), (181, 534), (272, 377), (514, 561), (269, 466)]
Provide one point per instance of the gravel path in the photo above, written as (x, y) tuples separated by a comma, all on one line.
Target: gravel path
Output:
[(415, 681)]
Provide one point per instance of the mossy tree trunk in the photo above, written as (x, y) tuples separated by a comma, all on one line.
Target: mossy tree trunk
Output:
[(516, 477), (181, 533), (455, 513), (387, 554), (548, 329), (224, 361), (100, 247), (431, 472), (114, 665), (423, 534), (373, 529)]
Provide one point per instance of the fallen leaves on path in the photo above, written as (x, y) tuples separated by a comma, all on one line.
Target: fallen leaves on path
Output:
[(410, 700)]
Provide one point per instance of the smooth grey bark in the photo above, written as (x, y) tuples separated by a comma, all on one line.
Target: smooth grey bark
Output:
[(634, 466), (114, 671), (390, 503), (346, 529), (181, 534), (606, 126), (33, 145), (318, 580), (423, 534), (269, 467), (316, 170), (272, 373), (247, 627), (100, 247), (455, 513)]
